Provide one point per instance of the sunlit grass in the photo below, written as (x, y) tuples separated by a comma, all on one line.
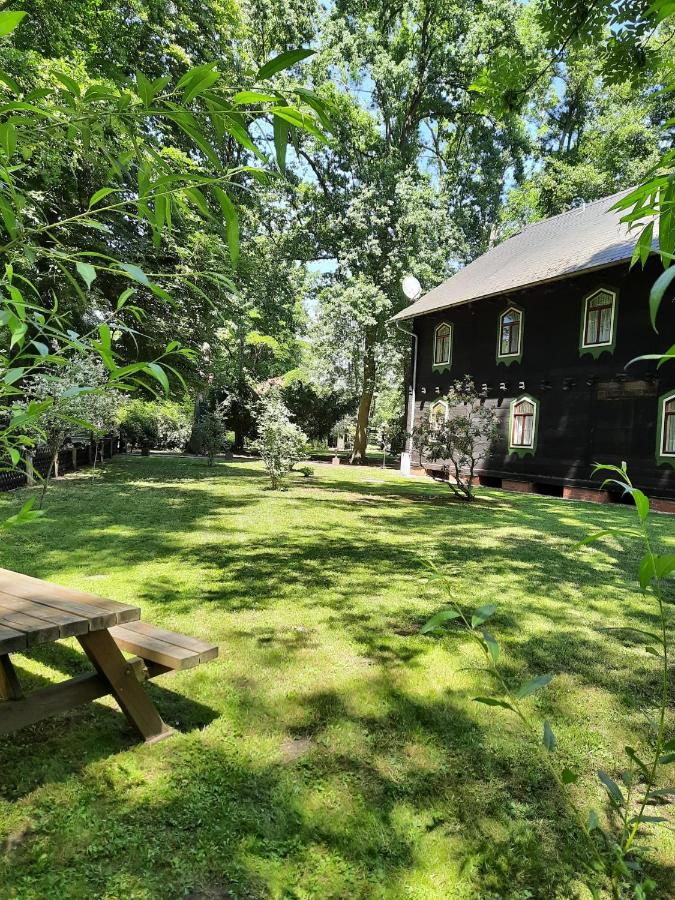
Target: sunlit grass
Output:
[(330, 751)]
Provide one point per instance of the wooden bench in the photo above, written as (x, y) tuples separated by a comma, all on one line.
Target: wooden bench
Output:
[(167, 650)]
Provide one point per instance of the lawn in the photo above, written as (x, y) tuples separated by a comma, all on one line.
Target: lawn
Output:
[(331, 750)]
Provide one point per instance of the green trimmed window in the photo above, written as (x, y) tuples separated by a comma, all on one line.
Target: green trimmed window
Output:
[(599, 325), (510, 337), (668, 427), (523, 422), (443, 346), (438, 415)]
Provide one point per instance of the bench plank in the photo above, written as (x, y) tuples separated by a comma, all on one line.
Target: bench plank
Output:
[(67, 623), (38, 631), (168, 648)]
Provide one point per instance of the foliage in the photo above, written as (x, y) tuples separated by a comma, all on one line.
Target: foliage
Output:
[(280, 442), (139, 423), (140, 154), (174, 424), (316, 408), (462, 436), (209, 431), (306, 471)]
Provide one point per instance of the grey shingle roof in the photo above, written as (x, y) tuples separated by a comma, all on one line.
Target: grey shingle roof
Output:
[(589, 237)]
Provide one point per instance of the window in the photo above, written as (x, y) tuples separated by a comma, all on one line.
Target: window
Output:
[(668, 427), (438, 415), (510, 332), (442, 345), (523, 423), (598, 326)]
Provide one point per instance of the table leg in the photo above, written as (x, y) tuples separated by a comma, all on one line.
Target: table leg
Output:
[(10, 689), (111, 665)]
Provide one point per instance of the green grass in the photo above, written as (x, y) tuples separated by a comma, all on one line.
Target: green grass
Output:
[(331, 751)]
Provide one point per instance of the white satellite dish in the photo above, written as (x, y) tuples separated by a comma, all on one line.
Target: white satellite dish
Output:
[(411, 287)]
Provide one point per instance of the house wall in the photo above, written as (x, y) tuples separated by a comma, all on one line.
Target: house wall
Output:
[(591, 409)]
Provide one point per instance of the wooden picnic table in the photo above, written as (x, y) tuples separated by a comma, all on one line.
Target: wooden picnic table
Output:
[(34, 612)]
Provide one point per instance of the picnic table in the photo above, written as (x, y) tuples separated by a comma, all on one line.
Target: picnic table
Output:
[(35, 612)]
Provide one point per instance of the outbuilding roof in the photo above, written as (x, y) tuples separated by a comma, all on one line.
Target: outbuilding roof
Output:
[(588, 237)]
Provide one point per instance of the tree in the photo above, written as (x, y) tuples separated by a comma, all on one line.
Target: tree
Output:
[(460, 428), (280, 443), (407, 160), (209, 432)]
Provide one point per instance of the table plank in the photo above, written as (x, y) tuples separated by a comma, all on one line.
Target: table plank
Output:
[(99, 612), (37, 631), (68, 623), (11, 640)]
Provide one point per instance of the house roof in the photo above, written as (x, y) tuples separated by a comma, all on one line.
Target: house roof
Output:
[(589, 237)]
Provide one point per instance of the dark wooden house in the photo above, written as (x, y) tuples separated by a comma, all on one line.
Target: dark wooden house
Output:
[(547, 324)]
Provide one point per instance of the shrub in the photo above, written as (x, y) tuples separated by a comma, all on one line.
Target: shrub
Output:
[(139, 424), (209, 432), (461, 435), (306, 471), (280, 442)]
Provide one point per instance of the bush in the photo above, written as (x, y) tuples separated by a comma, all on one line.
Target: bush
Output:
[(209, 433), (280, 443), (139, 424), (307, 471), (156, 424)]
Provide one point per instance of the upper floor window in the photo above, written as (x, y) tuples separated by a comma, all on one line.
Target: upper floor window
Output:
[(443, 345), (668, 427), (510, 332), (599, 316), (523, 423)]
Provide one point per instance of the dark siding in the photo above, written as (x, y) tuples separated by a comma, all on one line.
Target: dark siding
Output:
[(590, 409)]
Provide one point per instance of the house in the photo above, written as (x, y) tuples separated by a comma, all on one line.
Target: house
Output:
[(547, 324)]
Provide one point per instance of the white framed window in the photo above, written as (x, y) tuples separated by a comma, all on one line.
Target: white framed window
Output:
[(438, 415), (668, 426), (599, 319), (523, 425), (443, 344), (510, 332)]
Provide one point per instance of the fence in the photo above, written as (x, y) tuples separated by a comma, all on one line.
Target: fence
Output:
[(36, 465)]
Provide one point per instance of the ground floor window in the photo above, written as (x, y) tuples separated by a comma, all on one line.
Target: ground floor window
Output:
[(438, 415), (523, 424), (668, 427)]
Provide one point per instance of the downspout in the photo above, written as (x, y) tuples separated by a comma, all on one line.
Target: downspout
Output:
[(407, 453)]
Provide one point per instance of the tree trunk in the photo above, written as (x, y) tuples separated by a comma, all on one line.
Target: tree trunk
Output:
[(361, 437)]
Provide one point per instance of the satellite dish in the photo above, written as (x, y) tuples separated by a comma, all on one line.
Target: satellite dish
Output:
[(411, 287)]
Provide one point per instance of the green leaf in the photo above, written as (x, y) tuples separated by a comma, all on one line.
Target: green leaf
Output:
[(664, 565), (68, 82), (492, 646), (568, 776), (99, 195), (533, 685), (249, 97), (669, 745), (232, 220), (159, 374), (657, 292), (593, 823), (612, 787), (482, 614), (646, 570), (493, 701), (25, 515), (283, 61), (549, 737), (281, 129), (136, 273), (643, 246), (632, 755), (87, 272), (641, 503), (666, 758), (445, 615), (9, 20)]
